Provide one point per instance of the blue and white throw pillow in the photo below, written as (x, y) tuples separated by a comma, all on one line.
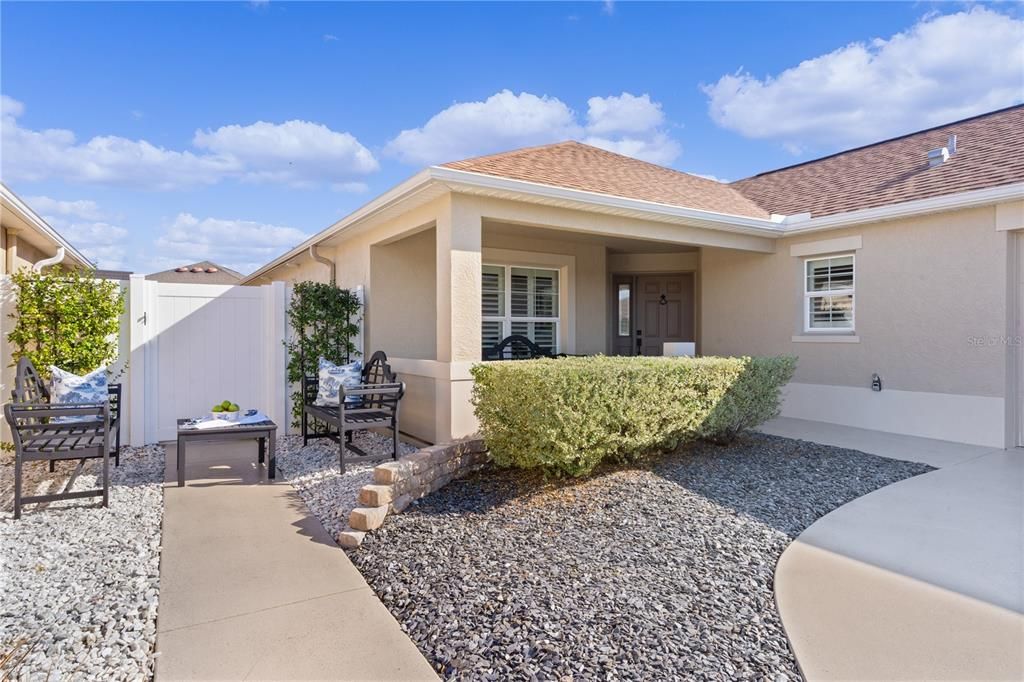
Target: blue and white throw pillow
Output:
[(67, 388), (332, 377)]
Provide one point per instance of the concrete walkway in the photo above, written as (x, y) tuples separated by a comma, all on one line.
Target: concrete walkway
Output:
[(923, 579), (252, 587)]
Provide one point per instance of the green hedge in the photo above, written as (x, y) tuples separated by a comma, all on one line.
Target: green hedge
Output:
[(568, 415)]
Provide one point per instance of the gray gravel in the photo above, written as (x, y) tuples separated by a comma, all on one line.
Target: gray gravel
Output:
[(78, 583), (314, 472), (659, 572)]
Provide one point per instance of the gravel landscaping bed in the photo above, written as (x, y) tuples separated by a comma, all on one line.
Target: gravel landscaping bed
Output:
[(314, 472), (657, 572), (79, 583)]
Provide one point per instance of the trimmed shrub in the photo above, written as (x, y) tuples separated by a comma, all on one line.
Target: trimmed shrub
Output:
[(569, 415)]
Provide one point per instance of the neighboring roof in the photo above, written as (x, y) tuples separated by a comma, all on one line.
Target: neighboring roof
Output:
[(16, 214), (204, 272), (123, 275), (579, 166), (989, 153)]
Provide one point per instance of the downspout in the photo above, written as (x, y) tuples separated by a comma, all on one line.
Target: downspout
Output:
[(39, 265), (326, 261)]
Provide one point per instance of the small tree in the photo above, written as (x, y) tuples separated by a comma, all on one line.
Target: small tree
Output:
[(324, 319), (65, 317)]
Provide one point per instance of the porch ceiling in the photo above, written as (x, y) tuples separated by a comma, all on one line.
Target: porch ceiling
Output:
[(614, 244)]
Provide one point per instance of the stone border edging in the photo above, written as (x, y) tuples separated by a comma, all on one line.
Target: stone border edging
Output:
[(397, 484)]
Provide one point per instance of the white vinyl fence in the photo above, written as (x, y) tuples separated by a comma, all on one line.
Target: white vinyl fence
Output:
[(195, 345)]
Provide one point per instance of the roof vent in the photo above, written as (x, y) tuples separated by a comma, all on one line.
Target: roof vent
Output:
[(937, 157)]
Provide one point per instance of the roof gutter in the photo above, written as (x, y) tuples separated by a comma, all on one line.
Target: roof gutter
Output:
[(946, 202), (394, 195), (776, 226), (761, 227), (315, 255), (35, 220), (46, 262)]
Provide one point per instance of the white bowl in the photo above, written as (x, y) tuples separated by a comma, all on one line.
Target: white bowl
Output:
[(226, 416)]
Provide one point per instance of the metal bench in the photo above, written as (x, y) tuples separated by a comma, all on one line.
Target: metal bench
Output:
[(38, 437), (379, 395), (517, 347), (29, 387)]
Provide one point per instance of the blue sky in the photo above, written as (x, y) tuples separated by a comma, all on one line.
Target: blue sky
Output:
[(155, 134)]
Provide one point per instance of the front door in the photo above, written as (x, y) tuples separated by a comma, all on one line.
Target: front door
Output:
[(664, 311)]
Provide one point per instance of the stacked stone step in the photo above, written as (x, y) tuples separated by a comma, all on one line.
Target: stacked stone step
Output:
[(397, 484)]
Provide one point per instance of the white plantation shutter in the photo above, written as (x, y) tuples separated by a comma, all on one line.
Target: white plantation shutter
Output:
[(520, 300), (829, 293)]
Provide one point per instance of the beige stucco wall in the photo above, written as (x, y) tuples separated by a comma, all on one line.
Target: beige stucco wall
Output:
[(403, 282), (926, 289)]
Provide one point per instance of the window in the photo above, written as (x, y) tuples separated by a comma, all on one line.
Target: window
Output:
[(828, 294), (520, 300), (623, 310)]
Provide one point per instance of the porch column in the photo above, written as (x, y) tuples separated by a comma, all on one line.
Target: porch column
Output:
[(458, 316)]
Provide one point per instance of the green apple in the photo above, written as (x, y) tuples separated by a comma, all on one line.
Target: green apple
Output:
[(233, 408), (217, 408), (226, 405)]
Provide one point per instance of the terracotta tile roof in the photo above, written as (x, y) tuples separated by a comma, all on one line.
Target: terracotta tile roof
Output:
[(990, 152), (204, 272), (579, 166)]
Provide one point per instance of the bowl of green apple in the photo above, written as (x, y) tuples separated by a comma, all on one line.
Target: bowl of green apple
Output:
[(226, 410)]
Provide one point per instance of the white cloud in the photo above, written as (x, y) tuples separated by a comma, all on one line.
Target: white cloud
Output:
[(942, 69), (294, 152), (626, 123), (625, 113), (11, 107), (298, 153), (608, 7), (242, 245), (330, 38), (503, 121), (82, 208), (85, 225)]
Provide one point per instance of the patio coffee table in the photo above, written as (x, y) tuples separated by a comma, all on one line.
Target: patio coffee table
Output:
[(263, 432)]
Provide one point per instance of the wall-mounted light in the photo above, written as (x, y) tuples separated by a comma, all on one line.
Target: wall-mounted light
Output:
[(876, 382)]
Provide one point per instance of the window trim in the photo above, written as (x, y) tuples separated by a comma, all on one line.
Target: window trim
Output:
[(808, 295), (507, 319)]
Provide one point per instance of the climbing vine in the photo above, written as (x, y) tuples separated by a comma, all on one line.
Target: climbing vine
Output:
[(324, 321), (65, 317)]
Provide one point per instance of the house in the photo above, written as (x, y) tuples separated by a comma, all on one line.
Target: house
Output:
[(894, 266), (26, 240), (203, 272)]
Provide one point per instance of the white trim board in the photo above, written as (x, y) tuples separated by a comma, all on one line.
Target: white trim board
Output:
[(944, 416)]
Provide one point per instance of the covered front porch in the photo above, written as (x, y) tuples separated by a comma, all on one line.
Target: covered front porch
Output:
[(474, 269)]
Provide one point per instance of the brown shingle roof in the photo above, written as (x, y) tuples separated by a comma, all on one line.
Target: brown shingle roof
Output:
[(203, 272), (990, 152), (579, 166)]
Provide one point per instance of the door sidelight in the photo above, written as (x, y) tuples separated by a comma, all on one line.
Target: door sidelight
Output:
[(639, 342)]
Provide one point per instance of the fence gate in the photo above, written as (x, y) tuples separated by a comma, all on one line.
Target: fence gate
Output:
[(194, 345)]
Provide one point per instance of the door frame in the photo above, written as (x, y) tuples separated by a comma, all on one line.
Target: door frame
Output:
[(616, 278)]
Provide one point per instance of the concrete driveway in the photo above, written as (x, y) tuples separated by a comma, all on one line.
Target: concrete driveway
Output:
[(922, 579)]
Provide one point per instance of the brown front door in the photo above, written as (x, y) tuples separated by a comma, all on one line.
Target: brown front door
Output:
[(664, 311)]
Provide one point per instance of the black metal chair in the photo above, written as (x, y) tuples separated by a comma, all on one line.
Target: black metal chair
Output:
[(38, 438), (379, 396), (29, 387), (517, 347)]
